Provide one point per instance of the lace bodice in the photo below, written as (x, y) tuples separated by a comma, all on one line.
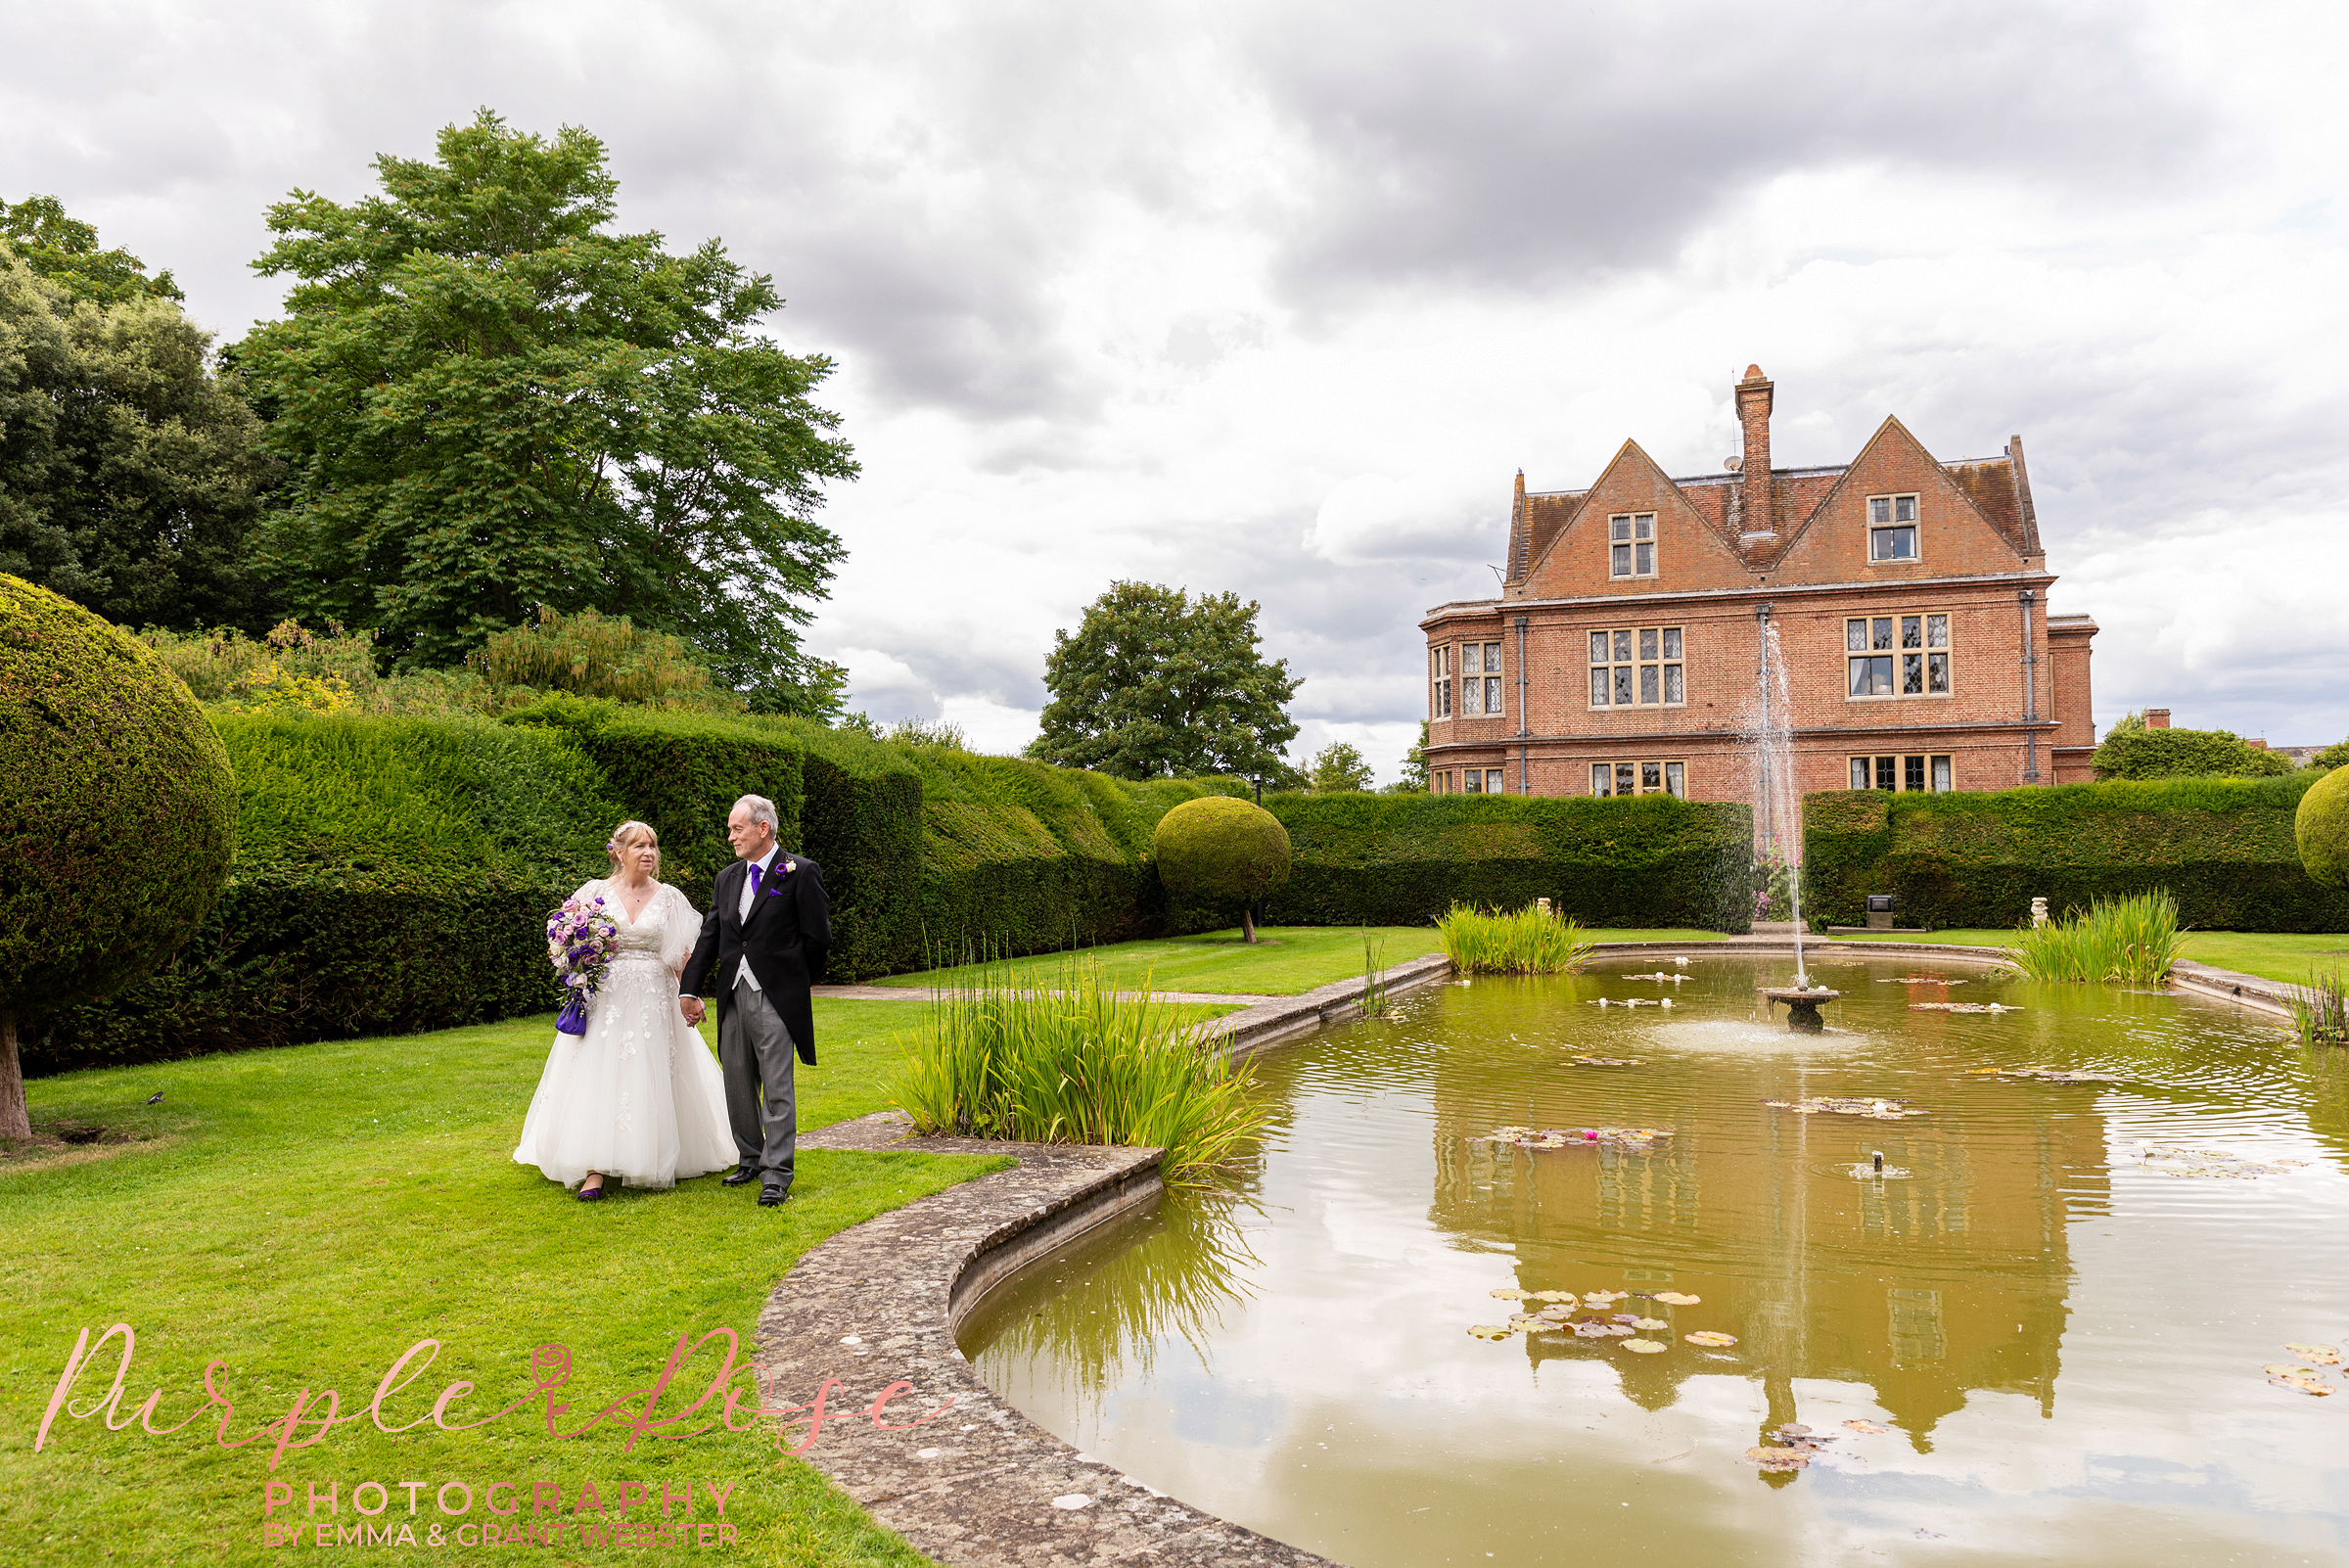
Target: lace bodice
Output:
[(663, 933)]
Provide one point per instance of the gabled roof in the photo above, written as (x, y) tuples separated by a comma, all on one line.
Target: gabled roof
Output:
[(1998, 490)]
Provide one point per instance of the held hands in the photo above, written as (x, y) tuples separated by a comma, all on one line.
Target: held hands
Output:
[(692, 1007)]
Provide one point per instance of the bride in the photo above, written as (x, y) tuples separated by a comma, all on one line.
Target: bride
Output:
[(638, 1097)]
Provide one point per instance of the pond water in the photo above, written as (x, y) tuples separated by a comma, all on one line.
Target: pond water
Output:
[(2062, 1337)]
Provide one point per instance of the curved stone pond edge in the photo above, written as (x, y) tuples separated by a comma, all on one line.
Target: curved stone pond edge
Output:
[(877, 1306)]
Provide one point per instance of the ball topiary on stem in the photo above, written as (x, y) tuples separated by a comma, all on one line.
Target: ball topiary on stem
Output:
[(1215, 852), (117, 813), (2322, 825)]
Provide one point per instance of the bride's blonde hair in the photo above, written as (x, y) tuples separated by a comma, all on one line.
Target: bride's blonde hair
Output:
[(628, 833)]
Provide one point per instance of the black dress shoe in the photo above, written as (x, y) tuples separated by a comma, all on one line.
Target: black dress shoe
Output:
[(741, 1175), (772, 1193)]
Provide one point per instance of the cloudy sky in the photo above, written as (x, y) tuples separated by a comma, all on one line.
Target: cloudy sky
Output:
[(1277, 297)]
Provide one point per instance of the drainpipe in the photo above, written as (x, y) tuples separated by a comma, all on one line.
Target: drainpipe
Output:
[(1525, 784), (2029, 692)]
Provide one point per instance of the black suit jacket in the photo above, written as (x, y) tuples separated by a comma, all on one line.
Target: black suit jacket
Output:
[(787, 937)]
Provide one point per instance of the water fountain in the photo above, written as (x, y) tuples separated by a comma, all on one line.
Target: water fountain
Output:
[(1779, 812)]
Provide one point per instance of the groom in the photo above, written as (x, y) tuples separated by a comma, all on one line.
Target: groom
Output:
[(762, 944)]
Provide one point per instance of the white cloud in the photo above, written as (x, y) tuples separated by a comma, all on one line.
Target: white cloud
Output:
[(1276, 299)]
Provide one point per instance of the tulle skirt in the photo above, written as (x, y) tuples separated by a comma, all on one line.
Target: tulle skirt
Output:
[(637, 1097)]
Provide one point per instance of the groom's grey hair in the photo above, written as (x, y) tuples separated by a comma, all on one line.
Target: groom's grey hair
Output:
[(761, 810)]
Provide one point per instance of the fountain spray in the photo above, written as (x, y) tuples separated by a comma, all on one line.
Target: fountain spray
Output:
[(1777, 800)]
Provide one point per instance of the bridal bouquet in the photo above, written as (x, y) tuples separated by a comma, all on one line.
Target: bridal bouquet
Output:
[(579, 938)]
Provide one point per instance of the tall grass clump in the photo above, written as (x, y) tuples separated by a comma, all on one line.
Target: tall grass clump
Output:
[(2321, 1010), (2132, 941), (1530, 940), (1076, 1062)]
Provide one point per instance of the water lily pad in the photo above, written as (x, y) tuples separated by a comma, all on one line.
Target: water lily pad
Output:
[(1488, 1331), (1793, 1429), (2306, 1385), (1509, 1293), (2321, 1355), (1777, 1459), (1709, 1336), (1609, 1061), (1643, 1346), (1961, 1007), (1864, 1426), (2288, 1369), (1673, 1298), (1555, 1295), (1875, 1108), (1649, 1323)]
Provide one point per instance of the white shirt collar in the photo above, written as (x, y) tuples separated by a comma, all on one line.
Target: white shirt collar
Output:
[(768, 859)]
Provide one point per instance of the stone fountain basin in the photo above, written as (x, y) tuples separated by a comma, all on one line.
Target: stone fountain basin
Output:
[(1795, 994)]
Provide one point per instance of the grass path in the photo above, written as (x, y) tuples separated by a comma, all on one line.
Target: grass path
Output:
[(306, 1215), (2284, 956), (1287, 961)]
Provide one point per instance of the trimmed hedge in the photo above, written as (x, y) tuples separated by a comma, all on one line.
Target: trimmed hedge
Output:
[(2223, 848), (862, 822), (391, 875), (682, 774), (1404, 859), (1021, 857)]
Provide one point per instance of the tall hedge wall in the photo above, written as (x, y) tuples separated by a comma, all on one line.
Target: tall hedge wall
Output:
[(391, 874), (682, 773), (2225, 848), (1404, 859), (1022, 857), (862, 821)]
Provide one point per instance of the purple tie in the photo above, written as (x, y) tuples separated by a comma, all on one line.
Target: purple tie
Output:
[(754, 871)]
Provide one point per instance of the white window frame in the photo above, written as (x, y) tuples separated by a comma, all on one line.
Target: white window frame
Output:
[(1895, 660), (1647, 775), (1639, 671), (1891, 515), (1631, 543), (1439, 677)]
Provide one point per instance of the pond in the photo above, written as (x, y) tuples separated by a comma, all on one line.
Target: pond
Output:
[(2058, 1316)]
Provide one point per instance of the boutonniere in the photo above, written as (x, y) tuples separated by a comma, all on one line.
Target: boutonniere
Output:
[(785, 870)]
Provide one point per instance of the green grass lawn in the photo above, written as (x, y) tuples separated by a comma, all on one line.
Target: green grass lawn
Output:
[(1286, 961), (2286, 956), (306, 1215)]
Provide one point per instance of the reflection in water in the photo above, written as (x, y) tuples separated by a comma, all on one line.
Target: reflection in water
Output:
[(2033, 1315), (1092, 1316)]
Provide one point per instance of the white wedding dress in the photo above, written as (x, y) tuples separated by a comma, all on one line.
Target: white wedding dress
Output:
[(638, 1096)]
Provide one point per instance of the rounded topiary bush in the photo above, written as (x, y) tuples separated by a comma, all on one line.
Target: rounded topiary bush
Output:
[(2322, 825), (117, 813), (1217, 852)]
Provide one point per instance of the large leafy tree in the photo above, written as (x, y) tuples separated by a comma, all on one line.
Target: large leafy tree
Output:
[(1157, 683), (65, 250), (490, 402), (129, 471)]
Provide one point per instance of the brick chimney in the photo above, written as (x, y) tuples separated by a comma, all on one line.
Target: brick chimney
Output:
[(2157, 718), (1753, 417)]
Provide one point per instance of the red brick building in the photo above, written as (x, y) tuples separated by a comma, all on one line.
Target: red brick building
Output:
[(1910, 598)]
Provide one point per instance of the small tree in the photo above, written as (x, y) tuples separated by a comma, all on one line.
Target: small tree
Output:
[(2334, 756), (1415, 767), (117, 813), (1338, 769), (1155, 683), (2322, 827), (1217, 852)]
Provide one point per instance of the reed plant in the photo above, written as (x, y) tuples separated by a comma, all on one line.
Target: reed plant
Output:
[(1075, 1060), (2132, 941), (1531, 941), (2321, 1010)]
